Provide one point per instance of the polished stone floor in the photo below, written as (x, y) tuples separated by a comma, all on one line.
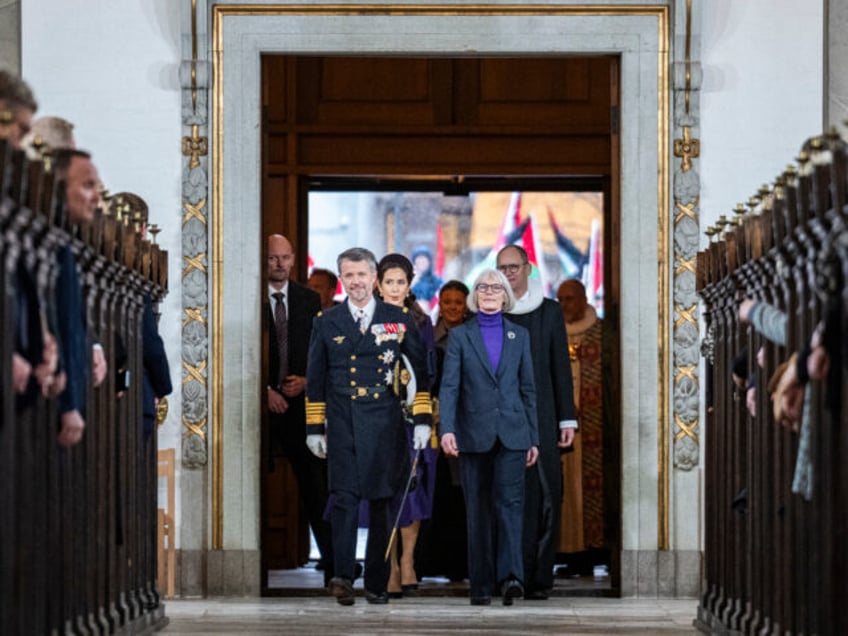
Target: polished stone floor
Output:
[(429, 615), (580, 605)]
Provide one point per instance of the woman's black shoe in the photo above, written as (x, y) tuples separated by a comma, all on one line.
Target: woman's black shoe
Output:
[(481, 600), (511, 589)]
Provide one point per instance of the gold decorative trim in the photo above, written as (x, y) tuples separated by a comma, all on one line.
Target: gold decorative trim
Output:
[(687, 210), (194, 262), (194, 428), (194, 55), (195, 372), (222, 11), (663, 296), (686, 430), (194, 313), (687, 148), (194, 146), (194, 211)]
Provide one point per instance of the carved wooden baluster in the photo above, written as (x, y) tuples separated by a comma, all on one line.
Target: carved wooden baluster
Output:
[(706, 289)]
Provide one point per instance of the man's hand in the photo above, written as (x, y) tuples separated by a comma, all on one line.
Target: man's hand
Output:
[(533, 454), (566, 437), (276, 402), (745, 308), (317, 444), (420, 437), (98, 365), (21, 370), (294, 385), (72, 428), (449, 445)]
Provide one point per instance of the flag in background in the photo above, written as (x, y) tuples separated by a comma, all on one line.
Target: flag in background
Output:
[(570, 256), (593, 275)]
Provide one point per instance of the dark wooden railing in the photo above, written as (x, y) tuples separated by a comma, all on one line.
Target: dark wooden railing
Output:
[(776, 560), (77, 525)]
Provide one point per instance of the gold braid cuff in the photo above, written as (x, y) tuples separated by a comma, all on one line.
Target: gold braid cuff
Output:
[(316, 412), (422, 405)]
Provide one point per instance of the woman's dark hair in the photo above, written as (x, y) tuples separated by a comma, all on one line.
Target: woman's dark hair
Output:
[(456, 285), (397, 261)]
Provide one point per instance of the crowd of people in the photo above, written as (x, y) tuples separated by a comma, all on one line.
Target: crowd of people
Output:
[(445, 439), (56, 353)]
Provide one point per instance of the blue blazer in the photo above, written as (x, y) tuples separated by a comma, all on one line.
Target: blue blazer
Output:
[(481, 406)]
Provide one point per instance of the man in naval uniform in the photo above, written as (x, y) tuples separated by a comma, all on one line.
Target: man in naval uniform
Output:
[(354, 416)]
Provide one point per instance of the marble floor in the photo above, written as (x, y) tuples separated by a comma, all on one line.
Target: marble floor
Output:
[(579, 605), (429, 615)]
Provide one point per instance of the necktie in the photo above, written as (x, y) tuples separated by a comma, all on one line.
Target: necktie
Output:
[(361, 319), (281, 325)]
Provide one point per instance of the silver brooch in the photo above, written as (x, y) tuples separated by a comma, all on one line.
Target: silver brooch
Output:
[(510, 335)]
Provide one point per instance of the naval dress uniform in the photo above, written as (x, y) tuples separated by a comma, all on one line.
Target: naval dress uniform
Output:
[(354, 380)]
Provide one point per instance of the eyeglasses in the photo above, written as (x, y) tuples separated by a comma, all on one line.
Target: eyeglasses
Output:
[(484, 288), (512, 268)]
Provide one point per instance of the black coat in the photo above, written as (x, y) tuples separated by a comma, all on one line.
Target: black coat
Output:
[(352, 382), (289, 429)]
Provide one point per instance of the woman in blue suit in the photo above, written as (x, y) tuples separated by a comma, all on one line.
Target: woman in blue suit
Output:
[(488, 412)]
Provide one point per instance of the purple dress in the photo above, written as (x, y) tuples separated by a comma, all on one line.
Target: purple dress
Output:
[(419, 501)]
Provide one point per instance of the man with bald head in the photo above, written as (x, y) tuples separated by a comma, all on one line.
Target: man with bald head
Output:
[(290, 308)]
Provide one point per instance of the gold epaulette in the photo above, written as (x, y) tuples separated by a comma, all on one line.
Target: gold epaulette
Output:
[(422, 405), (316, 412)]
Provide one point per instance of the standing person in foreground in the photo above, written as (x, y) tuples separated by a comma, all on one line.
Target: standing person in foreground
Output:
[(394, 273), (487, 404), (556, 416), (355, 418), (288, 313)]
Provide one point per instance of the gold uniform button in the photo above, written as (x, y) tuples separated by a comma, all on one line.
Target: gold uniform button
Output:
[(353, 383), (353, 357), (376, 395), (379, 370), (353, 369)]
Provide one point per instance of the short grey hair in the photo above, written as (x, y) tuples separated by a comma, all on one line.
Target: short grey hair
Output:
[(486, 274), (357, 255)]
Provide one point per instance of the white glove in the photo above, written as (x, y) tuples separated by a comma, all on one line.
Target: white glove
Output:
[(317, 444), (420, 436)]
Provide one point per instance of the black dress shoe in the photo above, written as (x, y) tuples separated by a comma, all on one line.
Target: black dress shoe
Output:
[(481, 600), (377, 598), (536, 595), (410, 590), (342, 589), (511, 589)]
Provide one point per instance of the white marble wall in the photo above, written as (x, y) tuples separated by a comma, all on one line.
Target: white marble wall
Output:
[(761, 95)]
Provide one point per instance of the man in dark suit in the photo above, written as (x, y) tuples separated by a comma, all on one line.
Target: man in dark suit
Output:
[(288, 315), (354, 380), (556, 416)]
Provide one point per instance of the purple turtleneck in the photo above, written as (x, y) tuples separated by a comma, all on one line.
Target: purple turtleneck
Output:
[(491, 328)]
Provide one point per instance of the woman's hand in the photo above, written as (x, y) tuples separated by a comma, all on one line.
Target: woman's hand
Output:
[(532, 455), (449, 445)]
